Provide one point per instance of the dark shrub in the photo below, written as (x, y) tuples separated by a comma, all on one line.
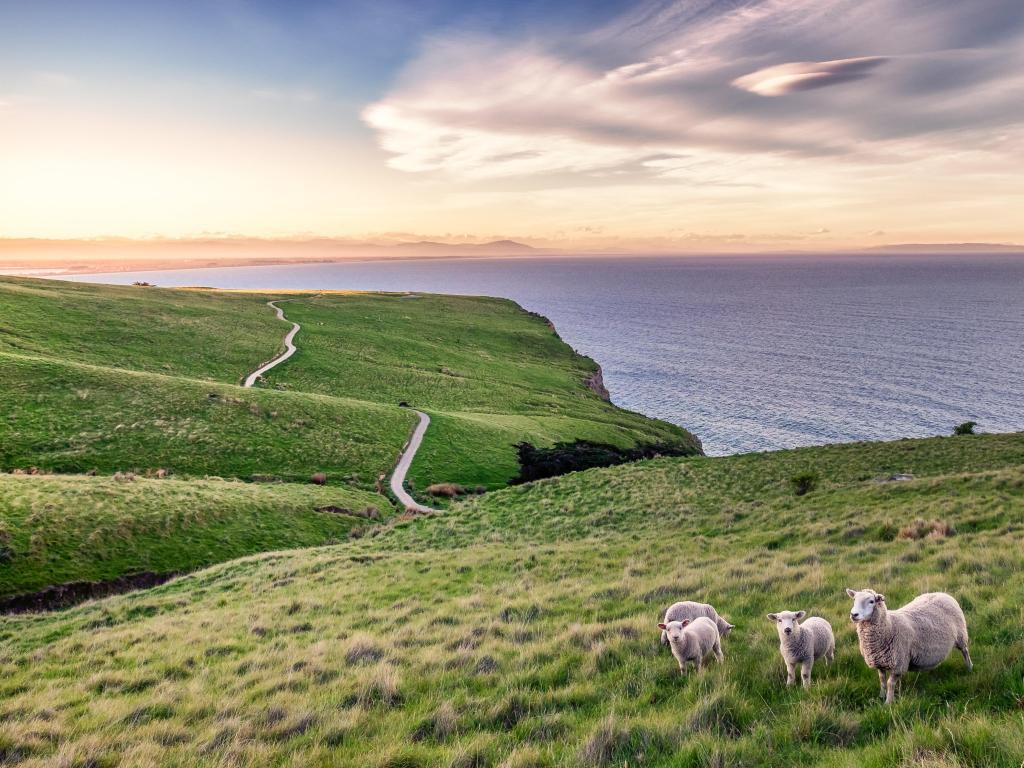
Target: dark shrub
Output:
[(803, 483), (537, 463), (967, 428)]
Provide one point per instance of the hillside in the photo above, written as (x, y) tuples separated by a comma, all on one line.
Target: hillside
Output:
[(489, 374), (518, 629), (97, 380)]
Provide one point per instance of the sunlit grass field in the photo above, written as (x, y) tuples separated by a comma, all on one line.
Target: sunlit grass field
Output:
[(489, 374), (120, 378), (59, 529), (518, 629)]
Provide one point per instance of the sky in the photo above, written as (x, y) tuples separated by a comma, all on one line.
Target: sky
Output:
[(687, 125)]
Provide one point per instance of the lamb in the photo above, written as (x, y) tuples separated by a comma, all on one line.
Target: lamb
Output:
[(692, 641), (803, 644), (688, 609), (918, 636)]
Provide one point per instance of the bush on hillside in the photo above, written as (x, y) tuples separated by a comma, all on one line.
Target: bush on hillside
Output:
[(967, 428), (537, 463), (803, 483), (451, 490)]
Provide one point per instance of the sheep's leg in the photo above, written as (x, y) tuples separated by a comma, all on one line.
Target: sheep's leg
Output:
[(805, 673), (790, 673), (831, 655), (718, 651), (698, 664), (664, 637), (881, 681), (890, 688)]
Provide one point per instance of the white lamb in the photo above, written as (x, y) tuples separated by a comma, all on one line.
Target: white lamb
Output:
[(692, 641), (687, 609), (803, 644), (917, 636)]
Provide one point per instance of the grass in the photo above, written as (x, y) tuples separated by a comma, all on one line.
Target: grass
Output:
[(518, 629), (114, 377), (72, 418), (59, 529), (489, 374)]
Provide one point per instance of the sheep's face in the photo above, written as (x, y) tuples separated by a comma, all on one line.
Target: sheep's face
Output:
[(674, 629), (865, 602), (787, 622)]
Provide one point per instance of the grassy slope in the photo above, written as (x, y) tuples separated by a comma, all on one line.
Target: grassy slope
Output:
[(62, 529), (118, 378), (489, 374), (536, 645)]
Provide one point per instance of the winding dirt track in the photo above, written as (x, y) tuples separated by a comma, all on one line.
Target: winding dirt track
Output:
[(289, 348), (405, 461), (408, 452)]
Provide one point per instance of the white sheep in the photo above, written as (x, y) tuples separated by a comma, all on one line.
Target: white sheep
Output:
[(918, 636), (687, 609), (692, 641), (803, 644)]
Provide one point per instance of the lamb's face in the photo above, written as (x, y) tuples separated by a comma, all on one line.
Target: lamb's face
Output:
[(786, 622), (674, 629), (864, 603)]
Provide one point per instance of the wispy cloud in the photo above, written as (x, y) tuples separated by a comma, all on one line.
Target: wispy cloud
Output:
[(680, 78)]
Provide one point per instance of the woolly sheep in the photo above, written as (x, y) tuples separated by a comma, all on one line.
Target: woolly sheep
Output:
[(687, 609), (917, 636), (803, 644), (692, 641)]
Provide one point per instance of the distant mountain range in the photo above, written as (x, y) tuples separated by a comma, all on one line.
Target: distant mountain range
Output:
[(947, 248)]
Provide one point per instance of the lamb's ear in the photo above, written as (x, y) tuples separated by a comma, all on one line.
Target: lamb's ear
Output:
[(800, 615), (879, 598), (850, 592), (663, 626), (773, 617), (684, 622)]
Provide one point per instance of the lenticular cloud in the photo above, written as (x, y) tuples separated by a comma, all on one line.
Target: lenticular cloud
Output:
[(807, 75)]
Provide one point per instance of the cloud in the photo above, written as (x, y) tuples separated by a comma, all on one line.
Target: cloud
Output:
[(807, 75), (688, 78)]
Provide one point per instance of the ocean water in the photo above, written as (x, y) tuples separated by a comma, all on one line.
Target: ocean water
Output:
[(749, 353)]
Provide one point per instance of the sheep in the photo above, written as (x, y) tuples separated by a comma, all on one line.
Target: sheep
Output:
[(687, 609), (918, 636), (691, 641), (803, 644)]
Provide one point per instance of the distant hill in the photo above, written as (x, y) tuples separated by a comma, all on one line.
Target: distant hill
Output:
[(947, 248)]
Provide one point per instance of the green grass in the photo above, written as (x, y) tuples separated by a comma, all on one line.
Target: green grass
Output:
[(199, 334), (518, 629), (489, 374), (72, 417), (73, 395), (63, 529)]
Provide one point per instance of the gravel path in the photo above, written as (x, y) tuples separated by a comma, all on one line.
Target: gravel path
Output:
[(288, 351), (405, 461)]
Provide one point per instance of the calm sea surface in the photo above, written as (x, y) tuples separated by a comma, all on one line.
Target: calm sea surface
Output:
[(750, 353)]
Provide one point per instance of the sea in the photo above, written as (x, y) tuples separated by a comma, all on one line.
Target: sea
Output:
[(750, 353)]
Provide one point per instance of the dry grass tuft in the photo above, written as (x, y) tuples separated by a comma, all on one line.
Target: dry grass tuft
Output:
[(930, 529)]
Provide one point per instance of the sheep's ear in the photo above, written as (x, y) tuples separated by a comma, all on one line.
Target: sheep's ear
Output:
[(851, 593), (663, 626), (684, 622), (880, 598), (800, 615), (773, 617)]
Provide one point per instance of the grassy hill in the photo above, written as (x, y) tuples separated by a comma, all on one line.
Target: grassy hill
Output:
[(489, 374), (74, 393), (106, 379), (61, 529), (518, 629)]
